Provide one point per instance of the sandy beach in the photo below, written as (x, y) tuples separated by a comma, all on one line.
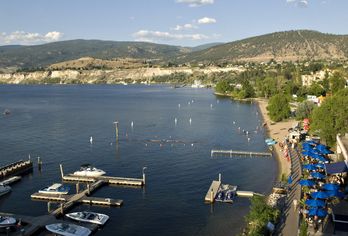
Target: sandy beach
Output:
[(277, 131)]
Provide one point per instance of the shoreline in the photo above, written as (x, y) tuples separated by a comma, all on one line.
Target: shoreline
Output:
[(277, 131)]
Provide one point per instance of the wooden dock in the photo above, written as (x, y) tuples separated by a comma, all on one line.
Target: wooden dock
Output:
[(212, 191), (106, 179), (233, 153), (16, 168)]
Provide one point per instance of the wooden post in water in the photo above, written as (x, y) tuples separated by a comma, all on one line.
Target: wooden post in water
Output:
[(49, 207), (77, 187), (116, 130), (61, 170), (144, 177), (39, 163)]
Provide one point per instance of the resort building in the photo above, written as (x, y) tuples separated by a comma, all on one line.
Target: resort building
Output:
[(308, 80), (342, 146)]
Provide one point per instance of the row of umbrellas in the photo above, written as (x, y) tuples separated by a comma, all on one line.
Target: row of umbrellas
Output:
[(317, 204)]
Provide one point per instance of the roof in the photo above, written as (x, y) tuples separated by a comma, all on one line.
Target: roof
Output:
[(337, 167)]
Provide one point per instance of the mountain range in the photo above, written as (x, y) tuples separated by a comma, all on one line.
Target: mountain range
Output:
[(281, 46)]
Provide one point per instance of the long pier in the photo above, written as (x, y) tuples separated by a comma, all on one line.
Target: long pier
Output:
[(16, 168), (233, 153)]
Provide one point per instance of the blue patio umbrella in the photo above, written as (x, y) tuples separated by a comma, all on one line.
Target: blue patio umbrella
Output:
[(320, 165), (306, 182), (311, 142), (318, 175), (331, 187), (315, 203), (335, 193), (323, 149), (317, 212), (309, 167), (320, 194), (318, 157)]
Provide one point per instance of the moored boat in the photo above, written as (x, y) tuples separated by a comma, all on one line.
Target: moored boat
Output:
[(90, 217), (55, 189), (6, 221), (90, 171), (68, 229)]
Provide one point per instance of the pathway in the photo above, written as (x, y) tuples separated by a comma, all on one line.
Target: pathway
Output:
[(291, 222)]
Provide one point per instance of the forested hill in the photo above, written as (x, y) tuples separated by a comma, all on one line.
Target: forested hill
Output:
[(46, 54), (281, 46)]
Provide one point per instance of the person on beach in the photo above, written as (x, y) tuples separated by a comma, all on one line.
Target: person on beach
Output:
[(295, 203)]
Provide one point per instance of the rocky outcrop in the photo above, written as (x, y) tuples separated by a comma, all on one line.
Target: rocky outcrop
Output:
[(101, 76)]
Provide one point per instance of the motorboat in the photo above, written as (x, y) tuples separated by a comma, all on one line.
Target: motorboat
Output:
[(55, 189), (6, 221), (4, 189), (226, 193), (90, 171), (90, 217), (68, 229)]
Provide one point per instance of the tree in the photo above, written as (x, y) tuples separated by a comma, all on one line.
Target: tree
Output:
[(259, 215), (248, 89), (304, 110), (223, 86), (316, 89), (278, 107), (337, 82), (331, 117)]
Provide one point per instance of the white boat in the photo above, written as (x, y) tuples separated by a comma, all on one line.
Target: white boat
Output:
[(90, 217), (6, 221), (55, 189), (68, 229), (4, 189), (88, 170)]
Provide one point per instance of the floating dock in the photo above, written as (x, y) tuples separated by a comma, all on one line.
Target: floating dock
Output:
[(233, 153), (248, 194), (106, 179), (212, 191), (16, 168)]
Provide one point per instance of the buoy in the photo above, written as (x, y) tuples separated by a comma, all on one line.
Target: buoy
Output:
[(190, 121), (132, 124), (248, 139), (176, 121), (191, 144), (189, 103), (91, 139), (234, 122), (179, 105)]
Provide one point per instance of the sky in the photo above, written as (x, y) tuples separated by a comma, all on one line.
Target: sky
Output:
[(174, 22)]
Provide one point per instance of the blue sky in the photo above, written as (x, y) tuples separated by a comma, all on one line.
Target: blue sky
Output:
[(175, 22)]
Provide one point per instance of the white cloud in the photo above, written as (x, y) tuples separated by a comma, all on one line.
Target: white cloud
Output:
[(185, 27), (153, 36), (206, 20), (196, 3), (299, 3), (22, 37)]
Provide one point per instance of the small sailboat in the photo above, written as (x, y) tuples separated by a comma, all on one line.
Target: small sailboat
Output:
[(190, 121), (88, 170), (4, 189), (68, 229), (91, 140), (55, 189), (90, 217), (175, 120), (6, 221)]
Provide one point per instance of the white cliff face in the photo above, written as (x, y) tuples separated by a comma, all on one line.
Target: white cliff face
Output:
[(109, 76)]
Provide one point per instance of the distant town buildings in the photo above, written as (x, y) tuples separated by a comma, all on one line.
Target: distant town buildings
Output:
[(308, 80)]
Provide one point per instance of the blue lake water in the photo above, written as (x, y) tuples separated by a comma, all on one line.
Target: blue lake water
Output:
[(56, 122)]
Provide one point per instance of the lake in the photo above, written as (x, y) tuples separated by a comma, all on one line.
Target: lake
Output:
[(55, 123)]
